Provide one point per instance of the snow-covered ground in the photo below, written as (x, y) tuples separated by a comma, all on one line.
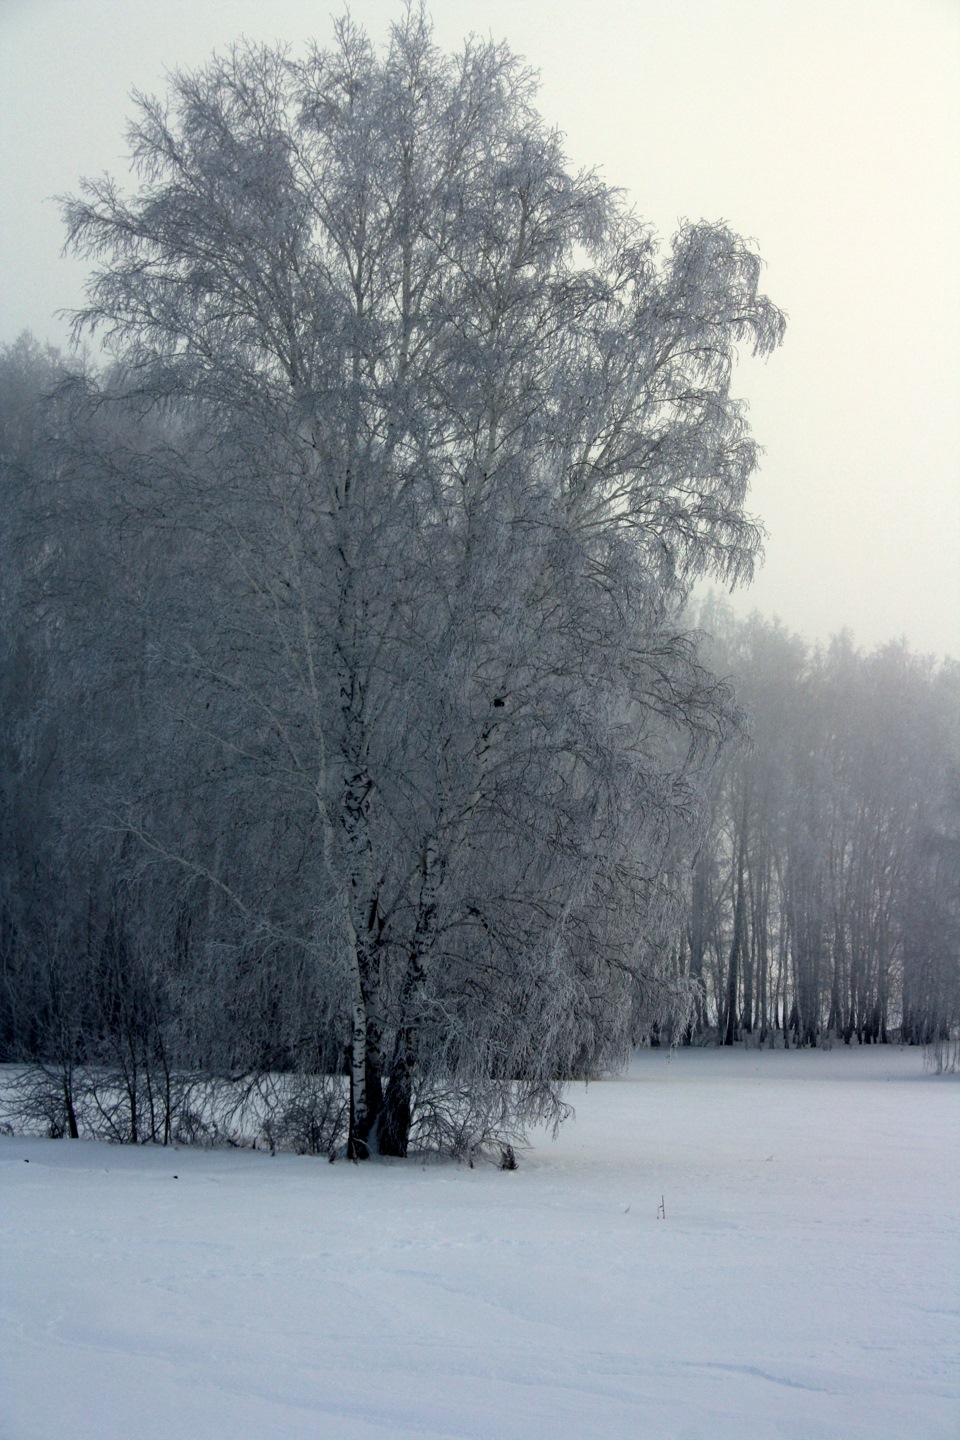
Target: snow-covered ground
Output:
[(804, 1281)]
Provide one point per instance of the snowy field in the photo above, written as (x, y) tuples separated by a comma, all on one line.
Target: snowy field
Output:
[(804, 1281)]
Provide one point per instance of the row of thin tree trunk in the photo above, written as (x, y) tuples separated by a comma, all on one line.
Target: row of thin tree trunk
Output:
[(825, 900)]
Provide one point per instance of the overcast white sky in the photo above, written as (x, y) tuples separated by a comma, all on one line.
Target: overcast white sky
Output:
[(827, 130)]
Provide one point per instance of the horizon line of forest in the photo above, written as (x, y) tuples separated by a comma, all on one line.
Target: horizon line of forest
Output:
[(821, 904)]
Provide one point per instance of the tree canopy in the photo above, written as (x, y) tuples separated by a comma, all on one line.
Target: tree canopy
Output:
[(413, 445)]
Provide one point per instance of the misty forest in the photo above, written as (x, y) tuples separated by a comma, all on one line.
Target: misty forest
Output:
[(376, 756)]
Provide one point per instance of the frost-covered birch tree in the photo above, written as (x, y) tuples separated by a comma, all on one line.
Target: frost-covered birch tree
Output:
[(455, 438)]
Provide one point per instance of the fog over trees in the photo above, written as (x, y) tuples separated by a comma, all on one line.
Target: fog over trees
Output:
[(824, 899), (362, 753)]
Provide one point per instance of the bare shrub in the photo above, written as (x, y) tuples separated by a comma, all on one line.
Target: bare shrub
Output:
[(307, 1114)]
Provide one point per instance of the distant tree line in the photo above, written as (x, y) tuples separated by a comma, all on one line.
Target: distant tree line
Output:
[(824, 900), (151, 935)]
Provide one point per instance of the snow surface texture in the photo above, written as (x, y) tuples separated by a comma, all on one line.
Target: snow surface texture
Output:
[(803, 1282)]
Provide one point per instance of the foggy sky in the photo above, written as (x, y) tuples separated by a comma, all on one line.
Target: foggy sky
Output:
[(826, 130)]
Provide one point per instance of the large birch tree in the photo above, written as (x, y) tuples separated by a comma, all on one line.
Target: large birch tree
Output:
[(453, 439)]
